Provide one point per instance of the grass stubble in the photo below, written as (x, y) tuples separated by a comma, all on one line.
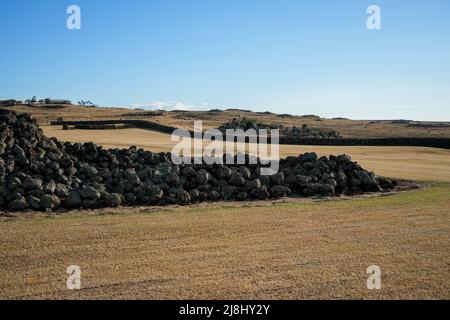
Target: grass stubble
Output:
[(272, 250), (294, 250)]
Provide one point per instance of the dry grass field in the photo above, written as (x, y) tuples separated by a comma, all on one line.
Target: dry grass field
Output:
[(264, 250), (271, 251), (348, 128)]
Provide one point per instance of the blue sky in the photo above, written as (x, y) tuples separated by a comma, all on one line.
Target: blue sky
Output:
[(286, 56)]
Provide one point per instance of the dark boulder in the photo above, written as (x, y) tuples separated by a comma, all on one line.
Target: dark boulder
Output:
[(224, 172), (49, 202), (252, 184), (50, 187), (202, 176), (317, 189), (89, 193), (245, 172), (113, 199), (34, 202), (236, 179), (73, 200), (61, 190), (18, 204), (227, 192), (30, 183), (280, 191)]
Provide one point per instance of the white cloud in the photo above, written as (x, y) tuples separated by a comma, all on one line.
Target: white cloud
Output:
[(168, 106)]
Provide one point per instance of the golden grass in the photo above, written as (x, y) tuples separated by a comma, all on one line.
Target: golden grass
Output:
[(279, 251)]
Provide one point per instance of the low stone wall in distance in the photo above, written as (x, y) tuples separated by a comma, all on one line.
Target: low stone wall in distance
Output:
[(443, 143)]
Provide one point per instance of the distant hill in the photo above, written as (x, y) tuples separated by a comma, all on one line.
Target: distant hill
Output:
[(216, 118)]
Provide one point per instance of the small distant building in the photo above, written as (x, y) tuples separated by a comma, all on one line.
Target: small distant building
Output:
[(9, 102)]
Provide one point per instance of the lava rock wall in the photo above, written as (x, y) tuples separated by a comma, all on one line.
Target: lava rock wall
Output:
[(41, 173)]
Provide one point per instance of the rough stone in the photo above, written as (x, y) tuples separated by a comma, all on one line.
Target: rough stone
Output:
[(49, 202), (113, 199), (37, 172)]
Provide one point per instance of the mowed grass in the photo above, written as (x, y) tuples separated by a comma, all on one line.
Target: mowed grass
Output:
[(272, 251), (263, 250)]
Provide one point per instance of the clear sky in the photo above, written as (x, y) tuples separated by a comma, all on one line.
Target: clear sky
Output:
[(285, 56)]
